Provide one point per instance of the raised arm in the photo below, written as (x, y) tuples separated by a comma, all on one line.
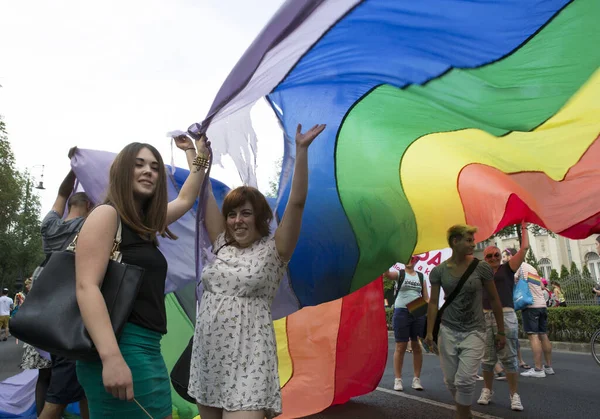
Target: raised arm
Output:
[(516, 261), (288, 232), (189, 191), (64, 191), (94, 246)]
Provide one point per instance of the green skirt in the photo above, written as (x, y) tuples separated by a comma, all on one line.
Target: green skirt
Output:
[(140, 348)]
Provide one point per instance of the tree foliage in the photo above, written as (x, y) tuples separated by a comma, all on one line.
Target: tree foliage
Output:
[(530, 258), (20, 238), (564, 272), (585, 272), (515, 230), (574, 270), (554, 275)]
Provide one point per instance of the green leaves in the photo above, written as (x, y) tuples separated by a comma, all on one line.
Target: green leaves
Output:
[(20, 238)]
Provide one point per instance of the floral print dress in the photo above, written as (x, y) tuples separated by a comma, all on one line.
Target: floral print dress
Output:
[(234, 357)]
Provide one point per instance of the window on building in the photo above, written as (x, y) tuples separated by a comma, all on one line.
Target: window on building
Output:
[(545, 265), (593, 263)]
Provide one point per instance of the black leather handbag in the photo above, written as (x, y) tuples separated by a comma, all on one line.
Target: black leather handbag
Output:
[(50, 320)]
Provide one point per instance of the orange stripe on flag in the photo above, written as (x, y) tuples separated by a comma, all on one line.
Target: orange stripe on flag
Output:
[(312, 338)]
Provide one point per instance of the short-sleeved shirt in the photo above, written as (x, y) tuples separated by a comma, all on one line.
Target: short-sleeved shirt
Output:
[(409, 291), (5, 305), (504, 278), (465, 313), (56, 232), (536, 290)]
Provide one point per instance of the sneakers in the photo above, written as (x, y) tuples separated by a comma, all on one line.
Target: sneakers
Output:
[(398, 384), (486, 396), (478, 377), (501, 376), (416, 384), (515, 402), (534, 373), (548, 370)]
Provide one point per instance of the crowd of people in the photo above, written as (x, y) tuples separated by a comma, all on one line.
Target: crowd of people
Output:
[(478, 326), (233, 371)]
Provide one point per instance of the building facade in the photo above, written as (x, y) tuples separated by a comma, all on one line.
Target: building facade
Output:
[(553, 252)]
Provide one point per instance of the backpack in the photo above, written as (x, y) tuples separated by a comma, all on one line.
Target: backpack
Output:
[(400, 281)]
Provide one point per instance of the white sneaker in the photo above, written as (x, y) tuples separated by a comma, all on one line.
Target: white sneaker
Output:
[(515, 402), (548, 370), (486, 396), (416, 384), (534, 373), (398, 384)]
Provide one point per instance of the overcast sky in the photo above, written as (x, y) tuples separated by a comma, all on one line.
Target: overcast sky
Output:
[(101, 74)]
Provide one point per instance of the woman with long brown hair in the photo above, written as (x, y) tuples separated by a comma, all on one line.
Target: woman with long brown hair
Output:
[(131, 378)]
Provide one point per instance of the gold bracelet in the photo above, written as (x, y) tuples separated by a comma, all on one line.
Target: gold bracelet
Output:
[(201, 162)]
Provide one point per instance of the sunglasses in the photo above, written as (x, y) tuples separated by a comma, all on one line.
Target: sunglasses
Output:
[(492, 255)]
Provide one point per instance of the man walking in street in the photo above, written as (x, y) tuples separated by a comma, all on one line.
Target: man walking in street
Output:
[(6, 305), (57, 234), (535, 324)]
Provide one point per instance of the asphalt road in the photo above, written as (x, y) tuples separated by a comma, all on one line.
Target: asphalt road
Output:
[(574, 392)]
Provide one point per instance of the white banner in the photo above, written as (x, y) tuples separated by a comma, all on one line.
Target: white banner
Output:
[(427, 261)]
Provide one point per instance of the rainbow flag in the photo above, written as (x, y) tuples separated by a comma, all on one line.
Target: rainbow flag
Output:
[(534, 279)]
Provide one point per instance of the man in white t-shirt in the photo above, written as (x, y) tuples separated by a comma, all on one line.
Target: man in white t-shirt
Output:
[(535, 324), (6, 305)]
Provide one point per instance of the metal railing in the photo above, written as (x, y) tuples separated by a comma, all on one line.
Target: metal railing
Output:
[(578, 290)]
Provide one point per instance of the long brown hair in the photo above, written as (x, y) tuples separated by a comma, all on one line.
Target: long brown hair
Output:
[(153, 218)]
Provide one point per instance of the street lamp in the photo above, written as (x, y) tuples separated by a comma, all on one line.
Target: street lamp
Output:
[(40, 185)]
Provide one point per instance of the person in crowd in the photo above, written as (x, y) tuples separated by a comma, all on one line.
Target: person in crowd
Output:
[(130, 378), (233, 369), (6, 306), (409, 286), (504, 279), (560, 296), (461, 339), (535, 324), (57, 233)]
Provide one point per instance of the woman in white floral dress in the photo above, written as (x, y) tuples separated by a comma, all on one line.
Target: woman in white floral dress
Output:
[(233, 371)]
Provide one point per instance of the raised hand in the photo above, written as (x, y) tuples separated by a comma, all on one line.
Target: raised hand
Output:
[(183, 142), (304, 140)]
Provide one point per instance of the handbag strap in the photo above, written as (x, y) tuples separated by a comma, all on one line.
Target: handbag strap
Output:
[(459, 286), (115, 253)]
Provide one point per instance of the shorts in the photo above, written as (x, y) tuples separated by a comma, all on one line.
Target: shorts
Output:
[(4, 322), (406, 326), (64, 387), (535, 321), (508, 354)]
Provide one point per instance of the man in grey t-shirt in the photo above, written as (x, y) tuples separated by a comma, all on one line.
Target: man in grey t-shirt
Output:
[(461, 338), (57, 233)]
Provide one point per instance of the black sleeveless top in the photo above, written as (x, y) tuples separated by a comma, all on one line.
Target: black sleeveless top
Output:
[(149, 306)]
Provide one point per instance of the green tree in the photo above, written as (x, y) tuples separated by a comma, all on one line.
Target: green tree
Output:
[(515, 230), (585, 272), (530, 258), (564, 272), (575, 270), (20, 238), (554, 275)]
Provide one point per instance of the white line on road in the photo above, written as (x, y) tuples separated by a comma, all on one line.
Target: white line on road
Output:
[(433, 402)]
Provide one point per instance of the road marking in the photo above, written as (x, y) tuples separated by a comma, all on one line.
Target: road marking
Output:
[(433, 402)]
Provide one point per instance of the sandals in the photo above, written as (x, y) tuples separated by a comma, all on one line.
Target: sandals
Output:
[(525, 366)]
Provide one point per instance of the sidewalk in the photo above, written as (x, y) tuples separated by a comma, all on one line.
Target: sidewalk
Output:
[(556, 346)]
